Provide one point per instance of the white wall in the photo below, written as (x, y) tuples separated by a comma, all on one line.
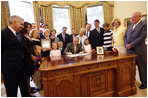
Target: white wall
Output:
[(124, 9)]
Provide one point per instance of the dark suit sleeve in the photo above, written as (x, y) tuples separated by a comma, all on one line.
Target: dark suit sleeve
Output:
[(81, 48), (91, 39), (3, 40), (141, 37), (68, 37), (125, 38)]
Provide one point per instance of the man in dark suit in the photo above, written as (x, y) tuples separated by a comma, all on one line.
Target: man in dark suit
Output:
[(74, 47), (96, 35), (73, 34), (134, 40), (12, 57), (64, 37)]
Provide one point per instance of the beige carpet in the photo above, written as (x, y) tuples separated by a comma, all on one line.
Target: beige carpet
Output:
[(140, 93)]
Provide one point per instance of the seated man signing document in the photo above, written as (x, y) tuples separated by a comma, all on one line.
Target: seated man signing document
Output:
[(74, 47)]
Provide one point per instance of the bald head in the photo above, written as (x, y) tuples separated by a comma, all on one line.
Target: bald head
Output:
[(136, 16)]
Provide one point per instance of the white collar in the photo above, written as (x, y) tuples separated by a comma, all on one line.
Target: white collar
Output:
[(14, 32)]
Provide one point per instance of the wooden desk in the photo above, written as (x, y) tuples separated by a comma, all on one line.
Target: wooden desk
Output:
[(96, 75)]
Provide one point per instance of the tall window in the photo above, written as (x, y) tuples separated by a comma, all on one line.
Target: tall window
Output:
[(61, 18), (93, 13), (23, 9)]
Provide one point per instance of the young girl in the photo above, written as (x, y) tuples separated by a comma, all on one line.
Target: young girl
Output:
[(35, 37), (55, 51), (87, 46), (37, 63)]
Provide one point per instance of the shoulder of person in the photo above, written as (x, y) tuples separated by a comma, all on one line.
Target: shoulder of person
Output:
[(3, 32), (121, 27), (143, 23), (59, 35), (85, 36), (67, 34), (69, 44), (94, 30), (101, 29)]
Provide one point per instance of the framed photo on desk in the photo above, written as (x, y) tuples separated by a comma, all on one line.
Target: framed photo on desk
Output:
[(100, 50), (45, 43)]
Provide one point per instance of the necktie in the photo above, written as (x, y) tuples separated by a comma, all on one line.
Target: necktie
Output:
[(18, 37), (87, 33), (75, 50)]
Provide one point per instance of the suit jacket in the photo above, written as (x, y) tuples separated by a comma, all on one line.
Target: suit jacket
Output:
[(96, 38), (136, 38), (67, 39), (70, 48), (71, 37), (12, 52)]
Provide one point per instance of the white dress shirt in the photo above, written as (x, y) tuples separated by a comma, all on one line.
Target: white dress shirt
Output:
[(14, 32), (98, 29), (87, 33)]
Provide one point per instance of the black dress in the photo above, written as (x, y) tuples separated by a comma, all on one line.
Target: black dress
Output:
[(28, 51), (36, 42)]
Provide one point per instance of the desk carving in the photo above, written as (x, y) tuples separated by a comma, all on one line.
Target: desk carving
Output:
[(80, 77)]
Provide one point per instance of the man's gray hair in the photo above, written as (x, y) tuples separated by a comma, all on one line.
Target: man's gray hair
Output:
[(14, 17)]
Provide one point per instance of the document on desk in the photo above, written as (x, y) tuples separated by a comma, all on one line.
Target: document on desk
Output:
[(75, 55)]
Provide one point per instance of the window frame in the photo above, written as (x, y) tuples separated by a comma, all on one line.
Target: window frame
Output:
[(89, 6), (65, 7)]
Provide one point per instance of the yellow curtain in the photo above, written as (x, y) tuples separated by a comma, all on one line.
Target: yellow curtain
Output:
[(76, 4), (36, 14), (77, 17), (5, 14), (108, 13), (47, 15)]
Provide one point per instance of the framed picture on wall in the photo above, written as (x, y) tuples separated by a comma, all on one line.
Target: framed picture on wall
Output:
[(127, 21)]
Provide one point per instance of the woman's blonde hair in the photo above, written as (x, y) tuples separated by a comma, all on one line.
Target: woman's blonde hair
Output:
[(116, 19), (46, 30), (83, 29)]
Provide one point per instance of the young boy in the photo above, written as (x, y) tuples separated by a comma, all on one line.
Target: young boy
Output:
[(60, 47), (107, 43), (37, 63)]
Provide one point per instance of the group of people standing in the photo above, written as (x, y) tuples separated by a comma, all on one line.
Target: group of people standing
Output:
[(22, 53)]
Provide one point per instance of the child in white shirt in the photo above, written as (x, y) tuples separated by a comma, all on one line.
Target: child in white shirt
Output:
[(54, 52), (87, 46)]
